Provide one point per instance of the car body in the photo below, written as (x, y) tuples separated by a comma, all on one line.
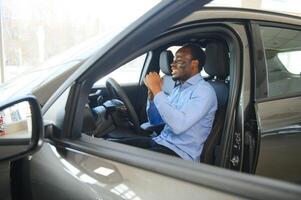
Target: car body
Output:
[(259, 135)]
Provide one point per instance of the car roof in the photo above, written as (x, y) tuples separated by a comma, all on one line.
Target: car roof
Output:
[(208, 13)]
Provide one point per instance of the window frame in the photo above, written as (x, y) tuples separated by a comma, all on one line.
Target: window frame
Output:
[(261, 95), (79, 92)]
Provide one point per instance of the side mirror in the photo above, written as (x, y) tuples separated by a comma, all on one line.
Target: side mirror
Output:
[(21, 128)]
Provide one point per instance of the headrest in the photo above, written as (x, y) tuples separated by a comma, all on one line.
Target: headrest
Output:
[(166, 58), (217, 60)]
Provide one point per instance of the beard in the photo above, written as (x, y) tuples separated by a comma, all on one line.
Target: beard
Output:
[(181, 78), (175, 78)]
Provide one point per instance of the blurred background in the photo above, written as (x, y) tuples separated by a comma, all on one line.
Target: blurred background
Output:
[(35, 33)]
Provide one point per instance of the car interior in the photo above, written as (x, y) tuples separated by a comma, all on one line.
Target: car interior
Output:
[(112, 114)]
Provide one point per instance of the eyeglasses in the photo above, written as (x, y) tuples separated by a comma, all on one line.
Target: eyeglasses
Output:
[(180, 64)]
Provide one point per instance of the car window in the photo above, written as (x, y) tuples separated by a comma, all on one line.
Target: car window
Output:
[(291, 61), (282, 53), (126, 74)]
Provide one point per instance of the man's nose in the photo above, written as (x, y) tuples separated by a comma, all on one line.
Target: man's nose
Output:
[(173, 65)]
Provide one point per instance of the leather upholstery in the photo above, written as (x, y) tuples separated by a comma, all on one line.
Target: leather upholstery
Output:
[(217, 60), (166, 58), (217, 65)]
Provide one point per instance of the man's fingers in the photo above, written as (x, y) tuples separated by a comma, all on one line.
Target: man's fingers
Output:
[(145, 82), (153, 74), (150, 78), (153, 82)]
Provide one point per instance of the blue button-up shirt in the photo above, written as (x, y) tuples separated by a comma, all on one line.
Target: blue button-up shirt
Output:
[(188, 113)]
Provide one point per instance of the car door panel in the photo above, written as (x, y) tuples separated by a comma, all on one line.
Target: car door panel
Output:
[(55, 179), (280, 155), (280, 125), (278, 112), (97, 171), (84, 176), (5, 180)]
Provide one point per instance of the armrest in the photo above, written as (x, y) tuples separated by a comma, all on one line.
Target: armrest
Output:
[(151, 127)]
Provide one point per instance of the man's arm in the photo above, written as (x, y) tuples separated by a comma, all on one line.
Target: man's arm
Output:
[(196, 108), (153, 114)]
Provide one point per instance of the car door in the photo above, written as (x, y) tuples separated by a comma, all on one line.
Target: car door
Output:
[(278, 108), (4, 174)]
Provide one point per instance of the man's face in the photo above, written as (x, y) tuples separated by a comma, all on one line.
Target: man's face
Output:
[(181, 67)]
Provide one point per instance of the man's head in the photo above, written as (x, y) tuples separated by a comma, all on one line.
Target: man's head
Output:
[(188, 61)]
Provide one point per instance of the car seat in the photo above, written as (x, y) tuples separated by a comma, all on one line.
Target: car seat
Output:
[(217, 66)]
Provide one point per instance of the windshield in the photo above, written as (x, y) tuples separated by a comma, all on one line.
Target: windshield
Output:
[(292, 7), (57, 64), (44, 34)]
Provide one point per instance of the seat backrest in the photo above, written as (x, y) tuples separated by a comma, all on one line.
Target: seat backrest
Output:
[(166, 58), (217, 65)]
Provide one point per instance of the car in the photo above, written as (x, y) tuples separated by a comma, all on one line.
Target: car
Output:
[(70, 151)]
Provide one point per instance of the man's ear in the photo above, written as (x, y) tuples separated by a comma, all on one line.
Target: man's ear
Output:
[(195, 64)]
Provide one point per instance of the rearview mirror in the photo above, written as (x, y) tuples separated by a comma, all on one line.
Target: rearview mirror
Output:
[(21, 128)]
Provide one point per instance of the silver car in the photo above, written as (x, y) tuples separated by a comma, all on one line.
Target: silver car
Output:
[(62, 144)]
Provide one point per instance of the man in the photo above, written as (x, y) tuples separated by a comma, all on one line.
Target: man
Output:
[(188, 112)]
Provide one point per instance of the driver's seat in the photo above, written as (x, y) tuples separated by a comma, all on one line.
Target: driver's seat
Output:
[(166, 58), (217, 66)]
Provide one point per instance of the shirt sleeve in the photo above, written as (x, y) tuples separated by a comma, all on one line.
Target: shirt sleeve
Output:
[(153, 115), (199, 105)]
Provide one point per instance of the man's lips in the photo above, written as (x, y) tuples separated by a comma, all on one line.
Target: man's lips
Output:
[(174, 71)]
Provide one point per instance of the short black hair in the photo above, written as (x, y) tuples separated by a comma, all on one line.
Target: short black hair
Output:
[(197, 53)]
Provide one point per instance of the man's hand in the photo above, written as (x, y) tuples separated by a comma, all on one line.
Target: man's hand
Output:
[(149, 92), (150, 95), (153, 82)]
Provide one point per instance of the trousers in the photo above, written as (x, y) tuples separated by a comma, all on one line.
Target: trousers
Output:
[(147, 143)]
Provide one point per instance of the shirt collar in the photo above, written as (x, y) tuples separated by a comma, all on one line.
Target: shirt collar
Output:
[(191, 81), (194, 79)]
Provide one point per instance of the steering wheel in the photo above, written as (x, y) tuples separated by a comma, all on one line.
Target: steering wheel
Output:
[(115, 90)]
